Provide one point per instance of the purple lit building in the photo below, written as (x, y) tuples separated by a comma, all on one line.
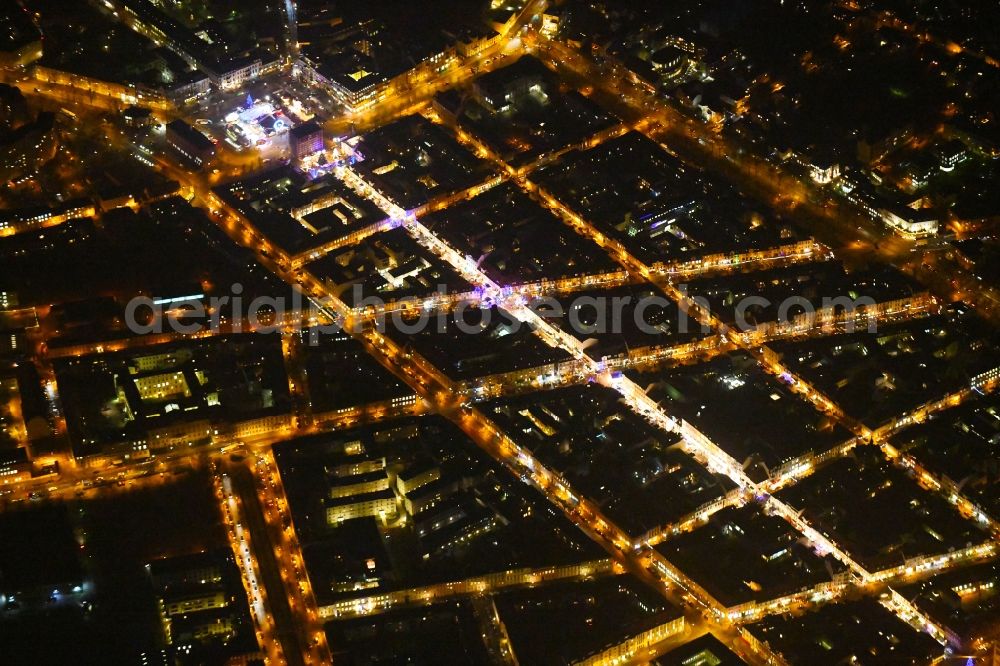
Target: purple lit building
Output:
[(305, 139)]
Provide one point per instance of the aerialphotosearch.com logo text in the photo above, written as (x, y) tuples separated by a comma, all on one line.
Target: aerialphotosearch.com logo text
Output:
[(472, 314)]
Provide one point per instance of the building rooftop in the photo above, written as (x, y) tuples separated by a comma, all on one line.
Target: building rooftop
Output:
[(847, 631), (878, 513), (305, 129), (744, 555), (191, 135)]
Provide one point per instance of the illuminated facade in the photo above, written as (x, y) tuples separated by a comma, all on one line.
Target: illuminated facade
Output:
[(181, 434), (232, 75), (908, 222), (14, 466), (363, 484), (305, 139), (375, 505), (22, 220), (412, 479), (356, 90), (825, 172), (194, 595), (163, 387), (8, 300)]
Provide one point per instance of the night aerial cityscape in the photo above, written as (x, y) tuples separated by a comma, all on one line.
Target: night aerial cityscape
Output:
[(511, 332)]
